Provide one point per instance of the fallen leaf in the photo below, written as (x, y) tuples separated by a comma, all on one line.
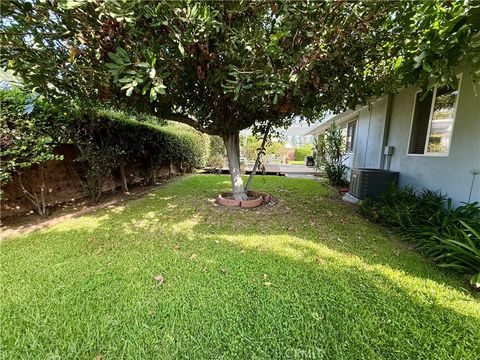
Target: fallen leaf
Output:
[(268, 283), (99, 356), (159, 278), (319, 260), (265, 276), (396, 252), (242, 251), (224, 271), (193, 257)]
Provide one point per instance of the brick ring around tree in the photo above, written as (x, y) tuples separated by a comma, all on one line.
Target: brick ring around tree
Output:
[(255, 199)]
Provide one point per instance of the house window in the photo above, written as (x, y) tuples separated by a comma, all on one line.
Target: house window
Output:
[(433, 119), (350, 136)]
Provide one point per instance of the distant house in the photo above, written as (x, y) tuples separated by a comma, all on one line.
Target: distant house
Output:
[(295, 135), (432, 140)]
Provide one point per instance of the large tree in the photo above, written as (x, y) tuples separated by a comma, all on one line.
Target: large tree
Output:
[(222, 66)]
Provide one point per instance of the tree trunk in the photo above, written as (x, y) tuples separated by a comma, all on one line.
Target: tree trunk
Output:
[(257, 160), (232, 144), (123, 177), (32, 196)]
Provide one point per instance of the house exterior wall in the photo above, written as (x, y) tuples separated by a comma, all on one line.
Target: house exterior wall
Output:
[(369, 138), (449, 174)]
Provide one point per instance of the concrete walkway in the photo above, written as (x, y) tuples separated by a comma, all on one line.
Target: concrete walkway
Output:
[(286, 169), (296, 171)]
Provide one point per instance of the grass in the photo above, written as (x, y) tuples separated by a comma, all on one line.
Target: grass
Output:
[(306, 278), (296, 162)]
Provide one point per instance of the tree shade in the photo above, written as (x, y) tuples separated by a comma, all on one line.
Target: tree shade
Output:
[(222, 66)]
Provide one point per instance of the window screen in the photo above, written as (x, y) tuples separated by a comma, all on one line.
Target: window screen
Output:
[(351, 129), (433, 119), (421, 118)]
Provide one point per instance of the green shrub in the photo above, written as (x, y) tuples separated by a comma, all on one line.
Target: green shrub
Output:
[(252, 146), (330, 155), (446, 234), (217, 158), (103, 137), (216, 163), (404, 208), (175, 143), (26, 126), (217, 147), (302, 152), (460, 250), (31, 128)]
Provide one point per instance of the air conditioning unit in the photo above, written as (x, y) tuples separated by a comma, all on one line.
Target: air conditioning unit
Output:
[(371, 183)]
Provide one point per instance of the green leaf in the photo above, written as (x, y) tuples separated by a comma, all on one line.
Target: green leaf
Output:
[(182, 50), (115, 58), (398, 62), (126, 80), (153, 94), (113, 66), (145, 87), (123, 54)]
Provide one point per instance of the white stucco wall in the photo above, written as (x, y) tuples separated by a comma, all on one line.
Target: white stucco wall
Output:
[(370, 128), (450, 174)]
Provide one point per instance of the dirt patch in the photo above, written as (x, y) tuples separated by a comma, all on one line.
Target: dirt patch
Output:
[(27, 222)]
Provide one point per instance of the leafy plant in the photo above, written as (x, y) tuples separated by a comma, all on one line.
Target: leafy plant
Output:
[(26, 124), (252, 145), (302, 152), (461, 251), (447, 234), (216, 163), (31, 129), (330, 150), (404, 208), (104, 137)]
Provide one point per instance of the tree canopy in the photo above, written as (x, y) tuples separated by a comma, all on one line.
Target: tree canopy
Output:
[(222, 66)]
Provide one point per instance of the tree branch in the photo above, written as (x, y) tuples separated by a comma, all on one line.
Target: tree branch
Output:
[(185, 119)]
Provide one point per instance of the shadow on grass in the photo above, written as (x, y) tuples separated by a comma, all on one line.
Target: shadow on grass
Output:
[(306, 273)]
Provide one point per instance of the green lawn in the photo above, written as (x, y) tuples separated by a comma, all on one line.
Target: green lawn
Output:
[(306, 278), (296, 162)]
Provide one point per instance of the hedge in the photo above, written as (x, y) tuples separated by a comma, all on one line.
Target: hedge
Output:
[(134, 139), (106, 139), (301, 152)]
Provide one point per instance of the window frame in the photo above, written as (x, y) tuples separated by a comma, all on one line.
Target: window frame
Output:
[(430, 118), (354, 137)]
